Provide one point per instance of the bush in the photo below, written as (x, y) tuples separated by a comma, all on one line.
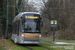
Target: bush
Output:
[(67, 35)]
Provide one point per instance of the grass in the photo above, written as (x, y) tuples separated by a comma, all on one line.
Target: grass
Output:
[(68, 41), (37, 48), (1, 48), (49, 42), (2, 45), (49, 47), (58, 40), (9, 44), (19, 48), (14, 46)]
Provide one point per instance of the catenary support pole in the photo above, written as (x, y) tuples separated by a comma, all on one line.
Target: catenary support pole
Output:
[(7, 22), (14, 7), (53, 30)]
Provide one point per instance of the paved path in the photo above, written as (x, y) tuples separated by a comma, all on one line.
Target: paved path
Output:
[(62, 43)]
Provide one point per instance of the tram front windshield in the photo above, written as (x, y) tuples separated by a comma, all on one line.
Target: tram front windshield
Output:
[(31, 26)]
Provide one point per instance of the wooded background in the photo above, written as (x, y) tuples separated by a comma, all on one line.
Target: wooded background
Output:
[(61, 10)]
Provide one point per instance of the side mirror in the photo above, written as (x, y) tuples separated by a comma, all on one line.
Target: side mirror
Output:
[(41, 24)]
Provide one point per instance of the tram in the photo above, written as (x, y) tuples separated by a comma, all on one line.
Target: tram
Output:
[(26, 28)]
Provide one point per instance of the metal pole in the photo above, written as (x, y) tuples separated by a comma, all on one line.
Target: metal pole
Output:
[(12, 14), (7, 22), (14, 8), (53, 30)]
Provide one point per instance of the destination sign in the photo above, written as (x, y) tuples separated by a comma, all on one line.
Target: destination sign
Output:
[(32, 17)]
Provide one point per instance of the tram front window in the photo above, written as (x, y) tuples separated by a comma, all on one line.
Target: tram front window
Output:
[(31, 26)]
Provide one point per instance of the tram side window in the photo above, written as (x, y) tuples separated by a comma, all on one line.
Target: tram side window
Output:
[(18, 27), (14, 28)]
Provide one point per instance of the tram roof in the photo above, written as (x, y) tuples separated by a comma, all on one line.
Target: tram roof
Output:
[(21, 13)]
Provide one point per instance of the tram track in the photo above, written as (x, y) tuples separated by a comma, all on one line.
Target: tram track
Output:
[(36, 45), (28, 48), (46, 43), (43, 47), (32, 46)]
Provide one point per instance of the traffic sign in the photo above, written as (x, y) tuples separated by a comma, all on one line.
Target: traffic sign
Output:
[(53, 23)]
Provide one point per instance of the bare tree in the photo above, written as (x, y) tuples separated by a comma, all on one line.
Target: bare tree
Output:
[(25, 7), (64, 12)]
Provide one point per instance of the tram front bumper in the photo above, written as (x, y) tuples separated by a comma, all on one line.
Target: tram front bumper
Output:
[(30, 41)]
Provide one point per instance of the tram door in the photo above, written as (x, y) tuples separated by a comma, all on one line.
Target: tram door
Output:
[(18, 30), (15, 30)]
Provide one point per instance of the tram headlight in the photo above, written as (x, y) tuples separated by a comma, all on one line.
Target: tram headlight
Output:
[(39, 35), (22, 35)]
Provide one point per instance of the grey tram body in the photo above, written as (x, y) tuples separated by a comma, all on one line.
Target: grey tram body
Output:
[(16, 37)]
